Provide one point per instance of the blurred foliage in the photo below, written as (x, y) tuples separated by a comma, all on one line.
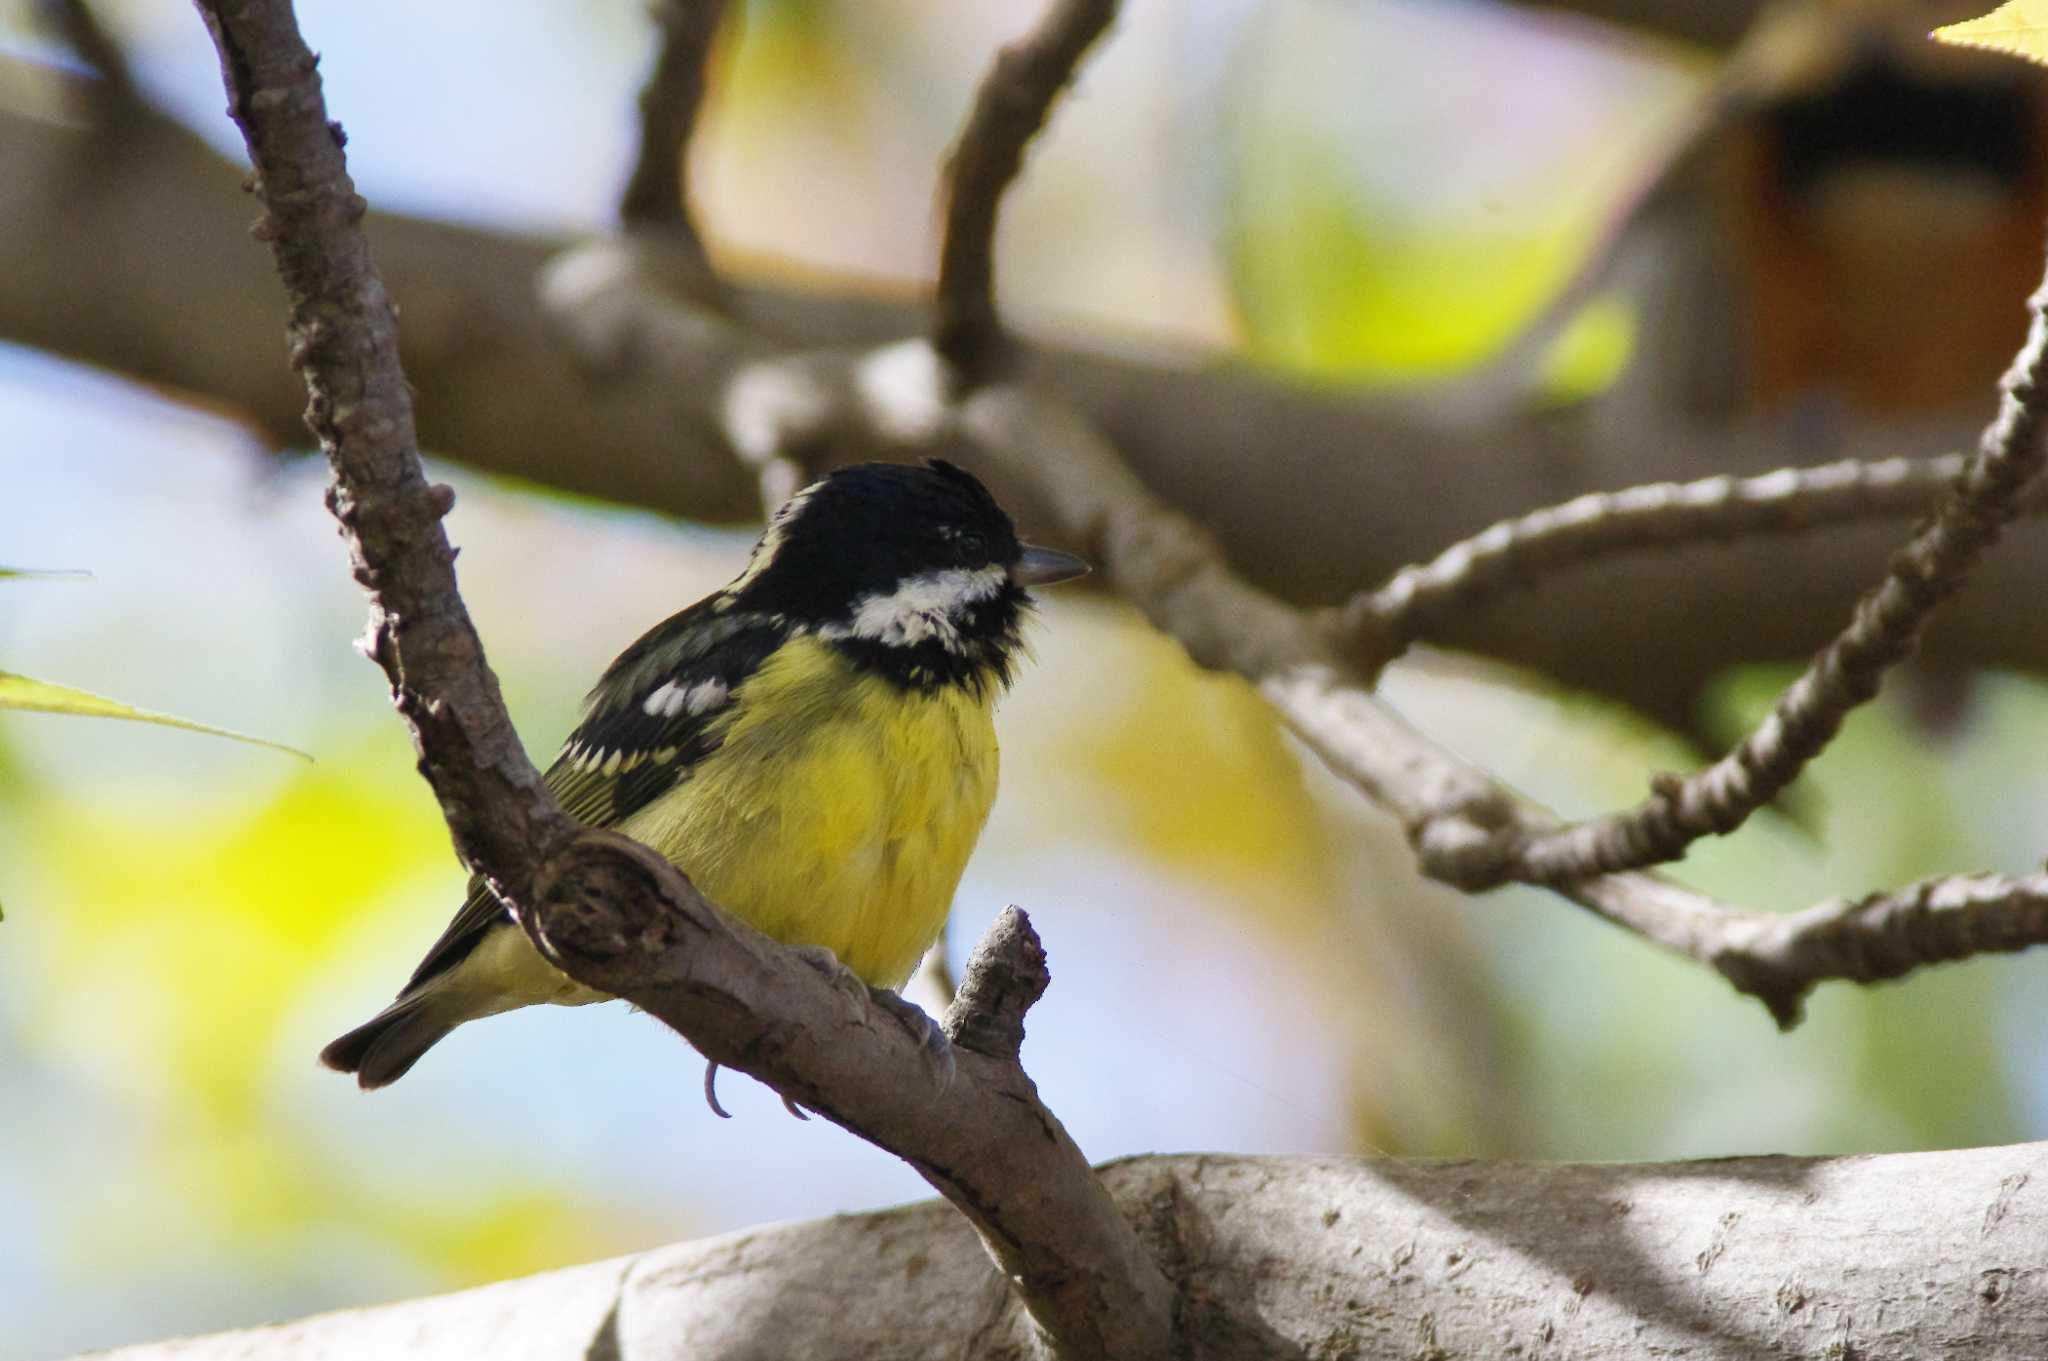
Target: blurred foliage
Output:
[(1327, 285), (1224, 797), (1243, 956), (192, 928), (2017, 27), (1344, 268)]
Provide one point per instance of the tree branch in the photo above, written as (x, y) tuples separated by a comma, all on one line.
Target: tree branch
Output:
[(1521, 552), (1913, 1255), (612, 913), (136, 269), (657, 193), (1009, 109), (669, 411), (342, 335), (1884, 630), (896, 401)]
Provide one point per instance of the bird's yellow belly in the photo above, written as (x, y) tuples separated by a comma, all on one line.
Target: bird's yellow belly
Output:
[(846, 821)]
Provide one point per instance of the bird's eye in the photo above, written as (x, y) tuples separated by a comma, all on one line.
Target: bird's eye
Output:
[(971, 548)]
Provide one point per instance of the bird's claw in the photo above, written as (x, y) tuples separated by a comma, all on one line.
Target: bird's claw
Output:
[(711, 1091), (711, 1096), (937, 1049), (821, 958), (931, 1038)]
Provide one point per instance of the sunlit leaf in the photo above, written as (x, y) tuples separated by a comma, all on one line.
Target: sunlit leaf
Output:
[(2018, 28), (20, 692)]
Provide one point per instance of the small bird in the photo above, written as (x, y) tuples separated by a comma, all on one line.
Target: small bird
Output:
[(813, 745)]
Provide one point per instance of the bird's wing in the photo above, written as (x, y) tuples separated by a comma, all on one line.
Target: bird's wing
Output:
[(651, 718)]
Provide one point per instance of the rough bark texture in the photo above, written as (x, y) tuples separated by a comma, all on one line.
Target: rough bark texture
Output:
[(611, 913), (1920, 1256)]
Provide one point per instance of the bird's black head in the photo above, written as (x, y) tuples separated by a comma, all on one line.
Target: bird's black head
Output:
[(916, 572)]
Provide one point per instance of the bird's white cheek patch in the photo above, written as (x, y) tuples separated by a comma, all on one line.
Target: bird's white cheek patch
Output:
[(923, 608)]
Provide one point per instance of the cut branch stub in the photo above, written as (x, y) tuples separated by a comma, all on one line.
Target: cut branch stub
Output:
[(1005, 977)]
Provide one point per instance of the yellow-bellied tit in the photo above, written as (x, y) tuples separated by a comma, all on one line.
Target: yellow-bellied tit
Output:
[(813, 745)]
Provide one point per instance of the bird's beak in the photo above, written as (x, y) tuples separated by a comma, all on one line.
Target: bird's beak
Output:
[(1037, 566)]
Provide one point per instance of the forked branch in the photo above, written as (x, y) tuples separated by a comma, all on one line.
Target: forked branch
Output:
[(1884, 630), (613, 914)]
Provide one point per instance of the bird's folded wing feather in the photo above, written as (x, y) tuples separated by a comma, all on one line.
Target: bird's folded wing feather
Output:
[(646, 723)]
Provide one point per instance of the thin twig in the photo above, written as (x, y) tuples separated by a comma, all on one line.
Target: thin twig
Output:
[(657, 193), (1884, 630), (79, 27), (613, 914), (1009, 109), (1521, 551)]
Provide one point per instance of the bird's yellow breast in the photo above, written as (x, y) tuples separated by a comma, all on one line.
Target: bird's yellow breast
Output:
[(839, 810)]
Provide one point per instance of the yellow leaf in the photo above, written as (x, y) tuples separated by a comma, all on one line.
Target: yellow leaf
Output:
[(19, 692), (2018, 28)]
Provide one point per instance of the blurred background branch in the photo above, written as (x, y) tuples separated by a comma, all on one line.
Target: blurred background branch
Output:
[(1228, 271), (1010, 110), (589, 899), (657, 192)]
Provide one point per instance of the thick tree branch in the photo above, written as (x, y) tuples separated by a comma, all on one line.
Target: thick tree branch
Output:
[(614, 914), (129, 261), (618, 917), (1009, 109), (1918, 1255), (1884, 630), (667, 414)]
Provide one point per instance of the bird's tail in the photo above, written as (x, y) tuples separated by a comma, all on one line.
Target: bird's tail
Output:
[(383, 1049)]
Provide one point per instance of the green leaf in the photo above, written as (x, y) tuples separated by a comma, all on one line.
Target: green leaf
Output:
[(44, 574), (20, 692)]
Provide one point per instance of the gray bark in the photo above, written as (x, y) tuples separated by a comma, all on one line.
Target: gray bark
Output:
[(1911, 1256)]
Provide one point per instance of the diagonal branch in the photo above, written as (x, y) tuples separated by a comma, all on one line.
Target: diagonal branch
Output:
[(343, 338), (830, 404), (612, 913), (1884, 630), (1009, 109), (657, 193)]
